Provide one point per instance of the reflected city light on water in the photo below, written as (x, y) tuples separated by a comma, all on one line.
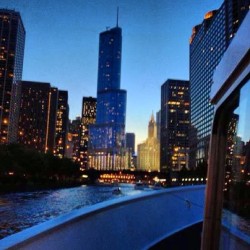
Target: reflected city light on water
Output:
[(22, 210)]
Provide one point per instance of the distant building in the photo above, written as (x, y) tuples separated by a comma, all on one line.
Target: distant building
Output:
[(73, 141), (62, 117), (130, 142), (175, 124), (107, 135), (12, 40), (37, 115), (148, 153), (208, 42), (88, 117), (130, 148)]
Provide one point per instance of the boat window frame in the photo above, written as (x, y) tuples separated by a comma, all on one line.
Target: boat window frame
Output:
[(216, 168)]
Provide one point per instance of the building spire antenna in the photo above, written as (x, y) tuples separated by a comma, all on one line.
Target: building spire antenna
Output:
[(117, 16)]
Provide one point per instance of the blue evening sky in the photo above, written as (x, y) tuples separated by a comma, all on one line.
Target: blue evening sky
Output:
[(62, 39)]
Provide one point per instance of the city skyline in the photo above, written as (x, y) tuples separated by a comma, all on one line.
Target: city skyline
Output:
[(63, 48)]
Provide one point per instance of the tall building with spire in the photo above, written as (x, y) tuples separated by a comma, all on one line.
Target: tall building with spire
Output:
[(148, 153), (12, 39), (107, 136)]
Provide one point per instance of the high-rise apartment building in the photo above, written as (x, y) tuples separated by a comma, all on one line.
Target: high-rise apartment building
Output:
[(88, 117), (107, 136), (37, 115), (148, 153), (62, 117), (12, 40), (208, 43), (175, 123)]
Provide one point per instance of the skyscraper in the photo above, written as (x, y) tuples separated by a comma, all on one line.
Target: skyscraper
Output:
[(62, 117), (107, 136), (12, 39), (37, 115), (88, 117), (175, 122), (208, 42), (148, 153)]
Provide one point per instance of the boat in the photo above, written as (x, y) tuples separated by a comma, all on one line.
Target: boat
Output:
[(157, 186), (140, 185), (116, 191)]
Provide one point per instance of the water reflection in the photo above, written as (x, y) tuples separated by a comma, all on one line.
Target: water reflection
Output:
[(22, 210)]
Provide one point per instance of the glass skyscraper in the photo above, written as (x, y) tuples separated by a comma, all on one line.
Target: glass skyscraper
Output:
[(12, 39), (107, 136), (208, 42)]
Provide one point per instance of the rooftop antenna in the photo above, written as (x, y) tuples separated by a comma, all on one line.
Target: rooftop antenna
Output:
[(117, 16)]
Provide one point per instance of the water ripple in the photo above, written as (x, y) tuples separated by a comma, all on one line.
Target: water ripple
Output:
[(22, 210)]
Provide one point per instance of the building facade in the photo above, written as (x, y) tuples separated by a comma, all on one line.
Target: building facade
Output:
[(175, 124), (158, 124), (148, 153), (62, 119), (208, 42), (12, 40), (130, 148), (37, 116), (88, 117), (73, 141), (107, 136), (53, 105)]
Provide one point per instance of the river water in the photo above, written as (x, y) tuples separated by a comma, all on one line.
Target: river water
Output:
[(22, 210)]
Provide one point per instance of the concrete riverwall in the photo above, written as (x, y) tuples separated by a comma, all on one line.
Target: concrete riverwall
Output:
[(134, 222)]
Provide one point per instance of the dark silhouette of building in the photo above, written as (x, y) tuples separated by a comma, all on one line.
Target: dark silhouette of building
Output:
[(130, 148), (37, 116), (175, 123), (62, 117), (88, 117), (208, 42), (12, 40), (107, 136), (130, 142)]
